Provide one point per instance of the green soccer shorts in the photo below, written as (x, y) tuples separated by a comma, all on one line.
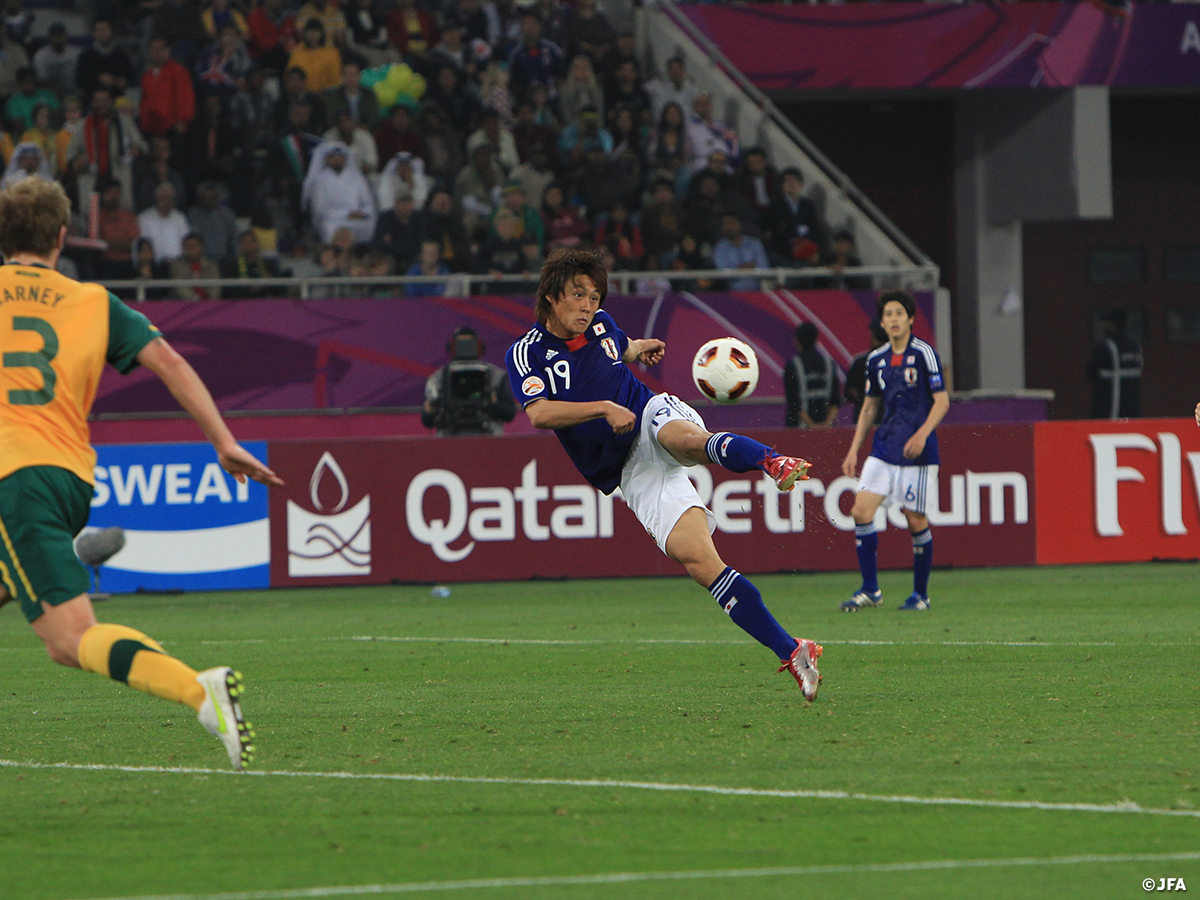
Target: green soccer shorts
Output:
[(42, 508)]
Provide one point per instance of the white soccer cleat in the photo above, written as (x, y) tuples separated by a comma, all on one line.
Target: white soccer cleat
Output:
[(862, 600), (803, 666), (221, 713)]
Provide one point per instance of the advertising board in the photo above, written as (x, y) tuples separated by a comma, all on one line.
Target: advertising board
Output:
[(424, 510), (1118, 491), (188, 524)]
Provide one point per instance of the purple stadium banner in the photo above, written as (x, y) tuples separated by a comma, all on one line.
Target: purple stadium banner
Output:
[(377, 353), (900, 46)]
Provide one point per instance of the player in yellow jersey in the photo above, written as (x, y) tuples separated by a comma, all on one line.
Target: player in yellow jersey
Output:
[(56, 334)]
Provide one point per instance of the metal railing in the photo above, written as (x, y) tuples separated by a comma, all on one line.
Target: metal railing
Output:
[(461, 284)]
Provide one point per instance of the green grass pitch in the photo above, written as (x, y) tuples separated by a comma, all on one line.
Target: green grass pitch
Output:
[(1035, 735)]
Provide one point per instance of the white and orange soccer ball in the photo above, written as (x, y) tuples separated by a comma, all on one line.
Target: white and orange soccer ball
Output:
[(725, 370)]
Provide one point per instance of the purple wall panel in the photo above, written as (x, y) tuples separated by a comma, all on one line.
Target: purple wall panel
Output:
[(348, 353)]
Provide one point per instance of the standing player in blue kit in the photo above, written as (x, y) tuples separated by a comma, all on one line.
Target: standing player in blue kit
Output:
[(571, 373), (905, 375)]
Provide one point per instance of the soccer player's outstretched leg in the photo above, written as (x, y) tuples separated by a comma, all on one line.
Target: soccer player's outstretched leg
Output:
[(56, 335), (905, 375), (571, 373)]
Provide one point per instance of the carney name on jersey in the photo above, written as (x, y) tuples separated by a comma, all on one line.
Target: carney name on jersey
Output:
[(905, 384), (56, 335), (587, 368)]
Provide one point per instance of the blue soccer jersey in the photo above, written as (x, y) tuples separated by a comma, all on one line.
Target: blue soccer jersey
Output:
[(905, 384), (587, 368)]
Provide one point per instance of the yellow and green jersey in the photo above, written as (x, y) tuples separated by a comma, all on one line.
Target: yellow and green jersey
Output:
[(55, 336)]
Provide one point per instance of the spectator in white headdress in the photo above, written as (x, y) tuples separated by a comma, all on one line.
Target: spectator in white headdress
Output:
[(337, 194), (404, 172), (27, 159)]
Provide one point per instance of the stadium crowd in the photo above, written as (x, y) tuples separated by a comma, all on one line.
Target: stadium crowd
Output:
[(259, 138)]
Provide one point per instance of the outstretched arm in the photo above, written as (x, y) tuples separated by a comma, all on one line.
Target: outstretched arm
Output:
[(565, 413), (186, 387), (647, 351)]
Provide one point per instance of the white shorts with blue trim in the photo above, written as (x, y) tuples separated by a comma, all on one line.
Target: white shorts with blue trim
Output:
[(906, 487), (655, 484)]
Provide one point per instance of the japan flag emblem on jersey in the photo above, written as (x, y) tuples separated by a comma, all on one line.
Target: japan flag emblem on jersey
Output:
[(610, 348), (599, 329)]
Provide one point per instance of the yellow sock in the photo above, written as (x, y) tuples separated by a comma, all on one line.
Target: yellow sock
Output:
[(126, 655)]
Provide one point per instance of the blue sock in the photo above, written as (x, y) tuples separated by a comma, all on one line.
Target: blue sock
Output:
[(736, 452), (742, 601), (922, 561), (866, 542)]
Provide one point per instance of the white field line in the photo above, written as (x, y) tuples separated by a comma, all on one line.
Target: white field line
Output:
[(1125, 806), (413, 887), (568, 642), (636, 642), (640, 642)]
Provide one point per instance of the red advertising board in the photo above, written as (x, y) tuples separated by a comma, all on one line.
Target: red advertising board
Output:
[(430, 509), (1118, 491)]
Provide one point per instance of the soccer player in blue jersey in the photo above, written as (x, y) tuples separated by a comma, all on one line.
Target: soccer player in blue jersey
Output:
[(571, 373), (905, 375)]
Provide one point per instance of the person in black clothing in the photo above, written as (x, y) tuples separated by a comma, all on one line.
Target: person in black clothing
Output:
[(624, 88), (295, 90), (856, 375), (691, 256), (758, 184), (795, 228), (603, 184), (249, 263), (398, 232), (1115, 370), (705, 206), (810, 382), (437, 223), (103, 64), (503, 253), (844, 256), (145, 268), (468, 396)]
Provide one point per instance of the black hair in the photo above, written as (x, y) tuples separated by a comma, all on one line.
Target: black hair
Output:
[(560, 270), (806, 335), (904, 298)]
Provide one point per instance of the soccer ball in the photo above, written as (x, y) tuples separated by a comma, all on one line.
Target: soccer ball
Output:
[(725, 370)]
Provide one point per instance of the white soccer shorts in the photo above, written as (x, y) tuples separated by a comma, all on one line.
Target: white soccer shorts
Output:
[(654, 484), (906, 487)]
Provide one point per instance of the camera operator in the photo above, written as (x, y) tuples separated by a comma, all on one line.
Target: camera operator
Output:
[(468, 396)]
